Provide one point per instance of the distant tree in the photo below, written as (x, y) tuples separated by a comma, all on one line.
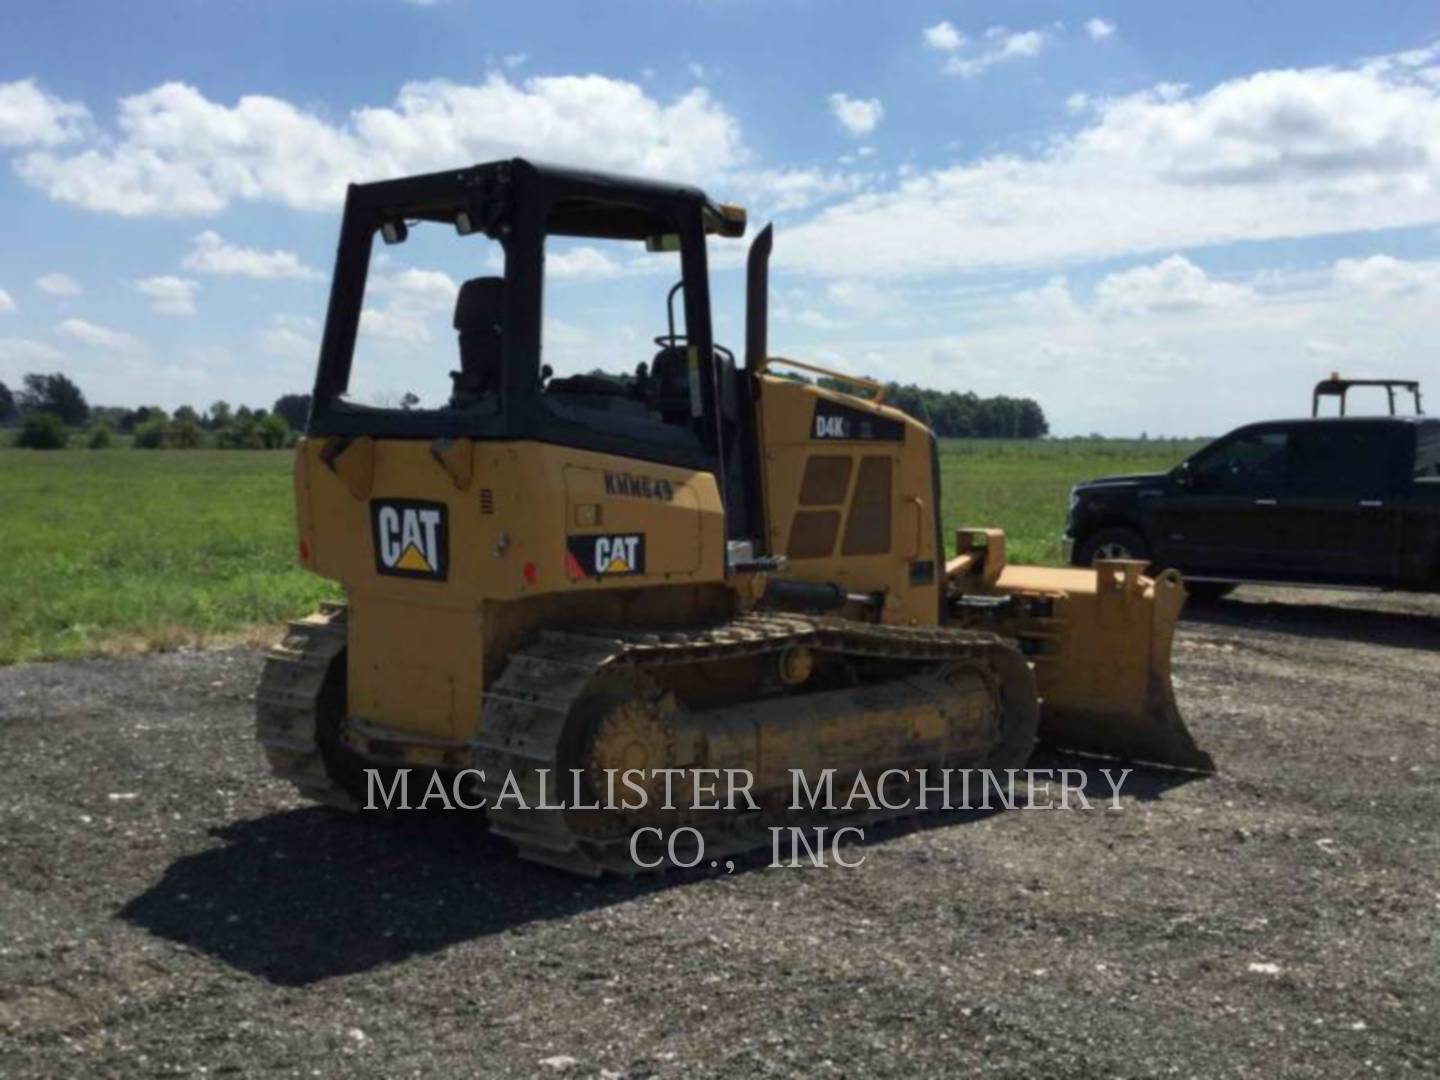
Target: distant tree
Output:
[(186, 414), (219, 415), (109, 415), (295, 408), (134, 418), (948, 413), (1033, 424), (43, 431), (409, 401), (960, 415), (184, 433), (274, 432), (54, 394), (99, 438), (238, 435), (150, 434), (8, 411)]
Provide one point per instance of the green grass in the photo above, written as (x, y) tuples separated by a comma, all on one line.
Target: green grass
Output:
[(1022, 486), (117, 549)]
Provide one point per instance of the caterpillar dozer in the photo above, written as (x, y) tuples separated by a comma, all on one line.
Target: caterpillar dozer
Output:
[(705, 565)]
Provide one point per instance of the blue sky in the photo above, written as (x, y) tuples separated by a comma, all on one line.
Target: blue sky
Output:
[(1162, 217)]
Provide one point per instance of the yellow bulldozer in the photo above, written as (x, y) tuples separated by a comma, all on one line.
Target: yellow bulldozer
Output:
[(707, 565)]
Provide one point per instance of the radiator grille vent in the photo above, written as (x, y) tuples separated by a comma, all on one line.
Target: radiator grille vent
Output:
[(487, 501)]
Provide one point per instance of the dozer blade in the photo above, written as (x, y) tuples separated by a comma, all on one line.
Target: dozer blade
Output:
[(1100, 639)]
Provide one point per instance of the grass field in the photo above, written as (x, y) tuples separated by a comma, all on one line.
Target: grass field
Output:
[(1022, 486), (117, 549)]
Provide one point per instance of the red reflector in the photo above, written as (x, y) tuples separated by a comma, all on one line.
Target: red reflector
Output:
[(530, 573), (304, 552)]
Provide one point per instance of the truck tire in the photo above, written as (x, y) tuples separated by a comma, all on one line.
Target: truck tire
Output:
[(1111, 543)]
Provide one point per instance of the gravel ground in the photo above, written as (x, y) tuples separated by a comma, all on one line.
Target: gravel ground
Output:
[(167, 908)]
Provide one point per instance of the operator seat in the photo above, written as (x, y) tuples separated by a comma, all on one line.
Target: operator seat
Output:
[(479, 313), (669, 385)]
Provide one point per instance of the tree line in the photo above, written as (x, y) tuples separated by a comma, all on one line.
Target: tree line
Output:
[(49, 407), (954, 415)]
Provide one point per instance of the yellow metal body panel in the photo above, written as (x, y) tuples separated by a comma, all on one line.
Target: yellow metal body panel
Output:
[(419, 649), (789, 442)]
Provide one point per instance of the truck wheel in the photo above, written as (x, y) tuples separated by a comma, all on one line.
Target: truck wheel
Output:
[(1113, 543)]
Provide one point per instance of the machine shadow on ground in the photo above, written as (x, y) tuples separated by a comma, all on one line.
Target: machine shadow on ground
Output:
[(303, 895), (1363, 625)]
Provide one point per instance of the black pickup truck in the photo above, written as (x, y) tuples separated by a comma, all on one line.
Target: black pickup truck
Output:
[(1344, 501)]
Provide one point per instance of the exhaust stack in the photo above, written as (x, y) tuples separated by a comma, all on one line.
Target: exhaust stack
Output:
[(757, 299)]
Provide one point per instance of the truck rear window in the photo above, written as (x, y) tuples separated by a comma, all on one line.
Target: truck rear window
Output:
[(1343, 458), (1427, 454)]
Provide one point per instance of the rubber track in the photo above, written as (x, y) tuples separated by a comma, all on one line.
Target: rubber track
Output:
[(527, 710), (287, 703)]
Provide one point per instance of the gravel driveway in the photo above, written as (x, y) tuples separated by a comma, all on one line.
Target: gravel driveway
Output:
[(168, 909)]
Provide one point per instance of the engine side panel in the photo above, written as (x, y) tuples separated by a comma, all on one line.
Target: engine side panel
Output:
[(850, 496)]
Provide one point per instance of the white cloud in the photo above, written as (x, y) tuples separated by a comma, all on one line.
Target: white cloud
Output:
[(1191, 354), (1077, 103), (6, 304), (1006, 47), (515, 59), (1173, 284), (31, 117), (807, 317), (862, 297), (394, 324), (213, 255), (1099, 29), (58, 284), (19, 351), (174, 151), (288, 343), (1386, 275), (417, 289), (1275, 154), (858, 116), (169, 295), (1052, 300), (563, 335), (943, 36), (814, 319), (779, 190), (582, 262), (415, 299), (102, 337)]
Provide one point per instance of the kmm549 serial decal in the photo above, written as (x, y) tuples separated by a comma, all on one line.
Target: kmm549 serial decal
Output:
[(639, 486)]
